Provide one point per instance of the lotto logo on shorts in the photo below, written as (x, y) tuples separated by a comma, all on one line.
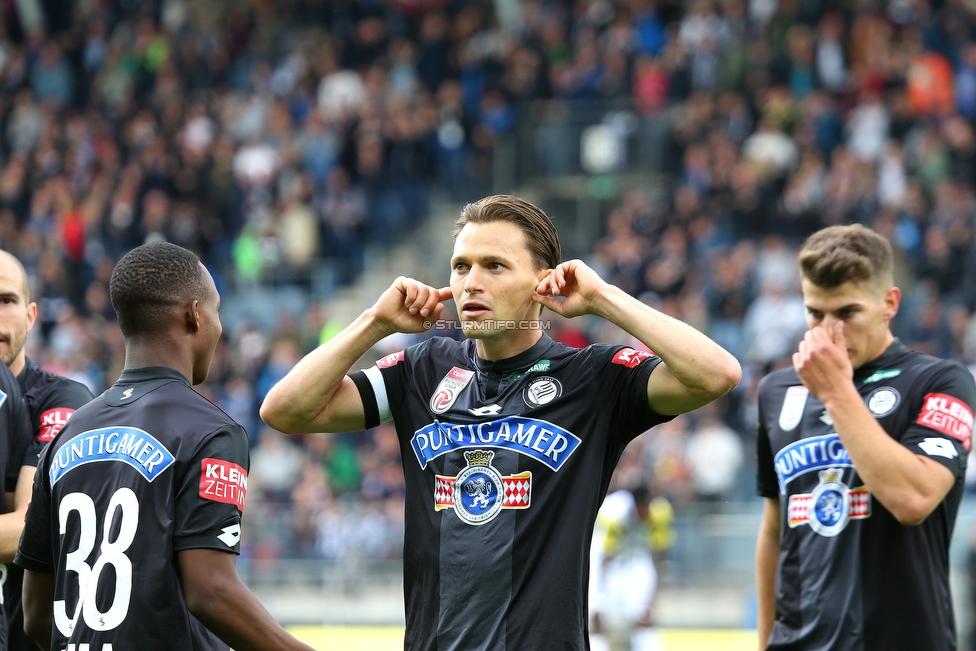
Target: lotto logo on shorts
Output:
[(223, 481), (949, 415), (629, 357), (52, 421)]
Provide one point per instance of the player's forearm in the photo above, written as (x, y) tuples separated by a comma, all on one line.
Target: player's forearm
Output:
[(303, 395), (767, 562), (235, 615), (695, 360), (11, 526), (908, 485), (38, 604)]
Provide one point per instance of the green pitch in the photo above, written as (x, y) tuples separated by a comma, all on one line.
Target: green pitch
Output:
[(390, 638)]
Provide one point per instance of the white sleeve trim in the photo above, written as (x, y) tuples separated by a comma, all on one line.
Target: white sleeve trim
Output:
[(375, 378)]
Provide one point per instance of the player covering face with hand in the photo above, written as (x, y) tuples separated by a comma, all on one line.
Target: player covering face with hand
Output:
[(134, 527), (862, 452), (508, 439)]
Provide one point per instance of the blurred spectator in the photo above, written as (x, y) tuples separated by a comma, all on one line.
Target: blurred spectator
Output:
[(276, 467), (715, 456)]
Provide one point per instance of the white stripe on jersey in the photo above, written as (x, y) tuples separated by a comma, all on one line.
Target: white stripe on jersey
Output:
[(375, 378)]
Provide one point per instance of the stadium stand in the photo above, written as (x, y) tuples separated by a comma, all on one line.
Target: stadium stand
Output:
[(684, 149)]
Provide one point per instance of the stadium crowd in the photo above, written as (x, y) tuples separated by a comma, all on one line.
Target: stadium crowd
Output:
[(278, 139)]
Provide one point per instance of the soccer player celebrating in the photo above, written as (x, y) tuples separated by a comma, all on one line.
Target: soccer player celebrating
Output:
[(508, 439), (134, 526), (862, 453), (50, 400)]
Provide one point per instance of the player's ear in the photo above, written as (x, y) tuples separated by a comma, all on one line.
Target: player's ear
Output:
[(193, 319), (892, 299)]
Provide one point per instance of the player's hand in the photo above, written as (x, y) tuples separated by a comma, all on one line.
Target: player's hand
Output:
[(576, 283), (822, 362), (409, 306)]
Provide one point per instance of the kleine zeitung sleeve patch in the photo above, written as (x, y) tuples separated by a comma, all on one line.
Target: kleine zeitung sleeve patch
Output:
[(52, 421), (949, 415), (629, 357), (390, 360), (223, 481)]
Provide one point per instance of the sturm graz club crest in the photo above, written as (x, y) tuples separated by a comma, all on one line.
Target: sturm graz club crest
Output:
[(479, 492), (830, 506), (542, 391)]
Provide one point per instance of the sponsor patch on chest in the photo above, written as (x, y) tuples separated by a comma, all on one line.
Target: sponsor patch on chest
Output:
[(830, 506), (449, 389), (543, 441), (793, 404), (479, 493), (949, 415), (809, 454)]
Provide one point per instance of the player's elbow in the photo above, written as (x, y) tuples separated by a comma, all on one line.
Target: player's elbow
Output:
[(726, 377), (912, 512), (277, 414)]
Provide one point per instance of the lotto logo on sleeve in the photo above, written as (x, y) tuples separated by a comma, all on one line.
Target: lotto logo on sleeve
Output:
[(52, 421), (629, 357), (949, 415), (223, 481)]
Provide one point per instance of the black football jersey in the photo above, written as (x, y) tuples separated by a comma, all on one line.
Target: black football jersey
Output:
[(16, 450), (50, 399), (146, 470), (506, 464), (850, 577)]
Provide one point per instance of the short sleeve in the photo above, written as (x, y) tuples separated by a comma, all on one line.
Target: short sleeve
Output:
[(942, 429), (57, 406), (621, 376), (767, 484), (36, 549), (383, 386), (210, 498)]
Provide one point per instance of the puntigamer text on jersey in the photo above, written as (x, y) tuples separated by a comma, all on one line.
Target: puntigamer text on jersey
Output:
[(539, 439), (130, 445)]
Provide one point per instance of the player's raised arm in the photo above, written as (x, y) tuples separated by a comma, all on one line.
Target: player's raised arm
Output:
[(695, 370), (316, 395)]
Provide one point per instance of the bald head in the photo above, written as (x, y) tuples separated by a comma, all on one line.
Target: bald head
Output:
[(11, 264)]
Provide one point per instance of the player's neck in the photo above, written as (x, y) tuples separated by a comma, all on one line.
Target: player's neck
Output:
[(503, 347), (17, 366), (140, 353), (886, 342)]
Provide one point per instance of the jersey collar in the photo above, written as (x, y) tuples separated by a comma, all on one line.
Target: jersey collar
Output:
[(149, 373), (889, 358), (519, 362), (26, 372)]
